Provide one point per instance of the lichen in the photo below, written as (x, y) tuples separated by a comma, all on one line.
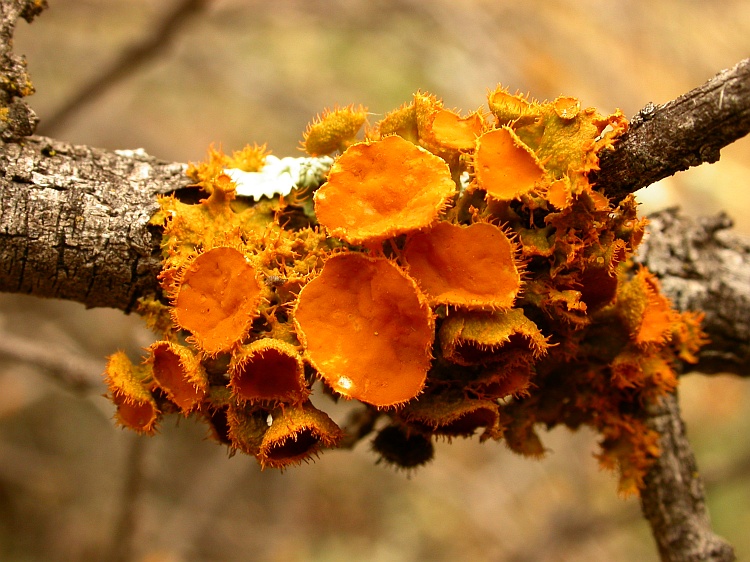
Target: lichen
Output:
[(452, 273)]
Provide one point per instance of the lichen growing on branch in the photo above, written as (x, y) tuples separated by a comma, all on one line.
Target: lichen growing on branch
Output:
[(452, 274)]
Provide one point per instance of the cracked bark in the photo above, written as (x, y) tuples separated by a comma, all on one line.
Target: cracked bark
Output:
[(74, 221), (74, 225)]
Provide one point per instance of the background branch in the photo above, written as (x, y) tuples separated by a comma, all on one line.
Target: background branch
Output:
[(129, 61)]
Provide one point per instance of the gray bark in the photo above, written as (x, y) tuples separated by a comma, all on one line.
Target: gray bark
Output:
[(74, 221)]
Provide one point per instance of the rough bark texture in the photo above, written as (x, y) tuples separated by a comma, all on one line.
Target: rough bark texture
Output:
[(74, 221), (673, 500), (704, 266), (682, 133), (17, 120)]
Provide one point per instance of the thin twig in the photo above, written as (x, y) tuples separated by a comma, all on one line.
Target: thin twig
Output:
[(76, 373), (129, 61), (680, 134), (122, 546), (673, 500)]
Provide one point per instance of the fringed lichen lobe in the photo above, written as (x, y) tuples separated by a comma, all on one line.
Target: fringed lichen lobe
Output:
[(454, 274)]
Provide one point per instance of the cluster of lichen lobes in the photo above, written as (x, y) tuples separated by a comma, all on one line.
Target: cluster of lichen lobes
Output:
[(453, 274)]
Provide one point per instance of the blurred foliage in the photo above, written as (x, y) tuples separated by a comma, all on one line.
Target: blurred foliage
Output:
[(74, 488)]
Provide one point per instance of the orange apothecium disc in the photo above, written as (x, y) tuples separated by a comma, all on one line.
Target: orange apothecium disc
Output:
[(383, 188), (504, 166), (468, 266), (367, 329), (217, 298)]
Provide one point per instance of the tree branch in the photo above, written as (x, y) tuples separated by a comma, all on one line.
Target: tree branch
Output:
[(673, 500), (704, 266), (682, 133), (17, 119), (74, 221)]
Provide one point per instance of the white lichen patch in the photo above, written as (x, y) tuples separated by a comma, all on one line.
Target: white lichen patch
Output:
[(280, 176)]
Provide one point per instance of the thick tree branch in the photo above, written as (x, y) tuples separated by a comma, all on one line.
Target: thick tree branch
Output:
[(704, 266), (682, 133), (74, 221)]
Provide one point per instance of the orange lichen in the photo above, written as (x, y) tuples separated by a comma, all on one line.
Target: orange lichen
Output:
[(268, 369), (334, 130), (541, 321), (452, 131), (647, 313), (295, 435), (367, 329), (129, 388), (468, 266), (504, 379), (402, 448), (473, 338), (504, 166), (380, 189), (452, 415), (178, 372), (216, 298)]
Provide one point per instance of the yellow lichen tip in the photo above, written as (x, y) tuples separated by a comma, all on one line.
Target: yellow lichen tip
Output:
[(401, 122), (380, 189), (204, 173), (505, 167), (128, 386), (334, 130), (474, 338), (216, 298), (367, 329), (249, 159), (178, 372), (268, 369), (296, 434), (465, 266), (567, 107), (512, 109)]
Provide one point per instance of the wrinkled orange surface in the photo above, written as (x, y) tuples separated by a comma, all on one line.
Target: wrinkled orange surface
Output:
[(453, 131), (366, 329), (217, 298), (173, 374), (268, 370), (138, 416), (504, 166), (383, 188), (472, 266)]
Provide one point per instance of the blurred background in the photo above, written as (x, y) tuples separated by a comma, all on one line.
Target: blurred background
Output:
[(173, 77)]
